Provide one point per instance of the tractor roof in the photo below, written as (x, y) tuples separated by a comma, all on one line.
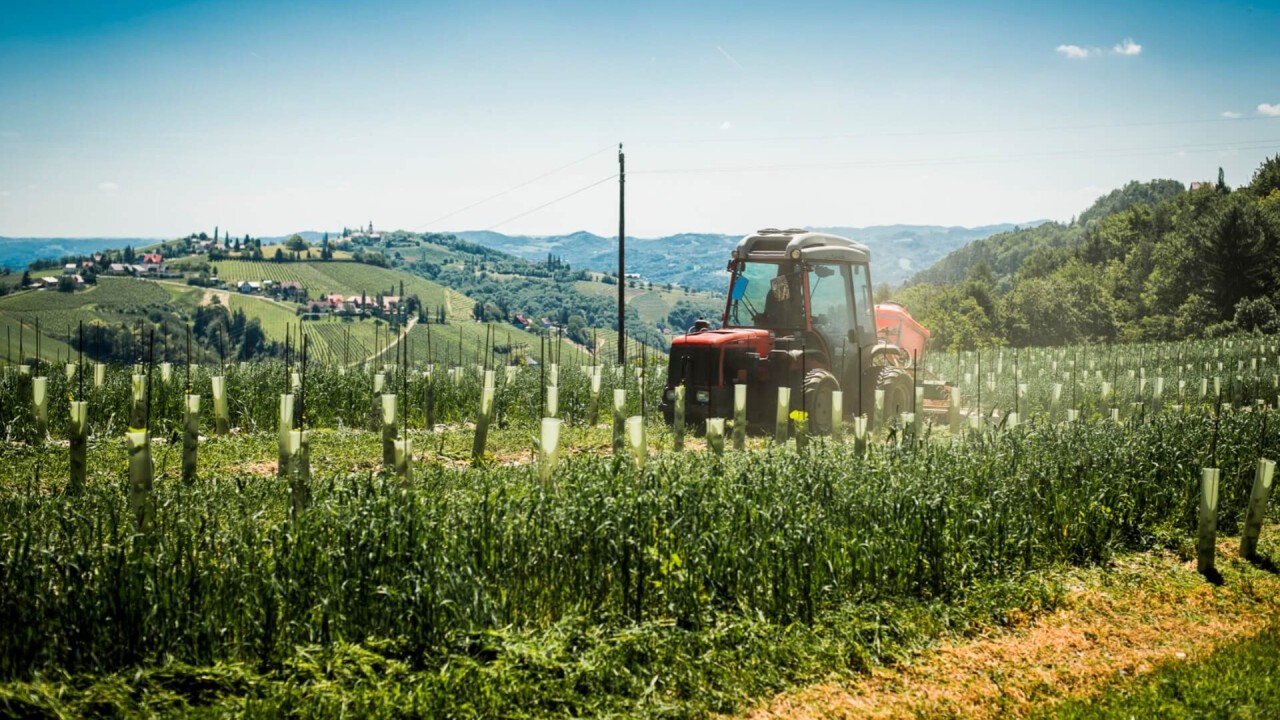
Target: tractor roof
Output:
[(773, 244)]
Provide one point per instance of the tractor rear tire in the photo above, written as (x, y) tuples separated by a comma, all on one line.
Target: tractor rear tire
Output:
[(896, 384), (818, 386)]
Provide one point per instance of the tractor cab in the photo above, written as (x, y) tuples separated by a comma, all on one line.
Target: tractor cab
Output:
[(811, 290), (798, 314)]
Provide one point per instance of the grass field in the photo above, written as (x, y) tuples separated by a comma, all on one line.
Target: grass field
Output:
[(113, 301), (668, 584), (126, 300), (349, 278), (652, 304)]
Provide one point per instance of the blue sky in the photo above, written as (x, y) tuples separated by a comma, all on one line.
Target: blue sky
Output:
[(158, 119)]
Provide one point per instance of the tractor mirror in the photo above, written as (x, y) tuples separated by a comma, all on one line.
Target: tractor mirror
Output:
[(823, 271), (739, 288)]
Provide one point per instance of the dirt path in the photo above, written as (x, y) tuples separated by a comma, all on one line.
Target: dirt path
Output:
[(1116, 624)]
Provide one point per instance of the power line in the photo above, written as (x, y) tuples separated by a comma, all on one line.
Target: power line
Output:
[(512, 189), (948, 133), (974, 159), (553, 202)]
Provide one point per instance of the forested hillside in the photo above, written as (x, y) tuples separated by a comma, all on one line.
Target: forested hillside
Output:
[(1150, 261)]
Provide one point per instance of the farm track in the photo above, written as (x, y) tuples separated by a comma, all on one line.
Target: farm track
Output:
[(1117, 625)]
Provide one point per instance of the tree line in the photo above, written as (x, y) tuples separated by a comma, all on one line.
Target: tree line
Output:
[(1150, 261)]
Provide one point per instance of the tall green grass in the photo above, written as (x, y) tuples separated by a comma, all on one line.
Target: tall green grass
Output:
[(777, 536)]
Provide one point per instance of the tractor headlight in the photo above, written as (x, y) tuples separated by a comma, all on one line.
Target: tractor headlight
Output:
[(702, 396)]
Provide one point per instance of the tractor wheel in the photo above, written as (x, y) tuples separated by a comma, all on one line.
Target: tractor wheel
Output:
[(818, 386), (896, 384)]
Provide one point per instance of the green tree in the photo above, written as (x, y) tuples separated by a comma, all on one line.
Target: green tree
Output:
[(1231, 253), (1266, 180)]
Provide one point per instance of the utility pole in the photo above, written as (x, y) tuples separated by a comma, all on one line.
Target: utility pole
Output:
[(622, 257)]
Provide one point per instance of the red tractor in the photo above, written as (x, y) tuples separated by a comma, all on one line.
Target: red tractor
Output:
[(799, 314)]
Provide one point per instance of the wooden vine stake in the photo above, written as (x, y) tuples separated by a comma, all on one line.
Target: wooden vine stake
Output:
[(1257, 508), (1208, 525), (300, 446)]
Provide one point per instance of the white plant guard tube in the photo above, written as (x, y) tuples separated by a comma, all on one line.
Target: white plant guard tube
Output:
[(739, 417), (782, 419), (636, 442), (78, 453), (549, 449), (284, 427), (190, 437), (221, 416)]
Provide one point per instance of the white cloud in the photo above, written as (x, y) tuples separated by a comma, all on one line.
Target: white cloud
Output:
[(108, 187), (1269, 110), (1128, 47), (726, 125), (4, 193), (1230, 115), (1075, 52)]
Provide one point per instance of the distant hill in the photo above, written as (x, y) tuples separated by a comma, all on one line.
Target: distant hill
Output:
[(1150, 261), (698, 259), (900, 251), (18, 253), (1004, 251)]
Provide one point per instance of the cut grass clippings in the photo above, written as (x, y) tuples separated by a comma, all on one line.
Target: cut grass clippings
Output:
[(1126, 634)]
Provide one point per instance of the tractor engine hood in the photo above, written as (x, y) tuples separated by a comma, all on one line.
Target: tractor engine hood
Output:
[(755, 339)]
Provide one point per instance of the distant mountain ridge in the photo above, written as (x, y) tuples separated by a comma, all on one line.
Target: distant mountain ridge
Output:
[(19, 252), (698, 260)]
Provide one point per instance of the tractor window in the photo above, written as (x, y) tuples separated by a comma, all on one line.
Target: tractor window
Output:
[(830, 304), (863, 310), (765, 295)]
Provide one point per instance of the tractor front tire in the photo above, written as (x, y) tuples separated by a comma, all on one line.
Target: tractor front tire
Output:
[(818, 386), (896, 384)]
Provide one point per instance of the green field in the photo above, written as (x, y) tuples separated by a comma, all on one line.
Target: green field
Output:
[(125, 301), (348, 278), (657, 584), (113, 300)]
